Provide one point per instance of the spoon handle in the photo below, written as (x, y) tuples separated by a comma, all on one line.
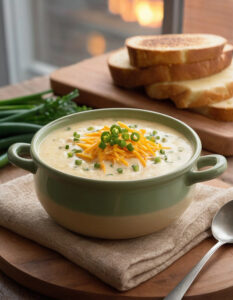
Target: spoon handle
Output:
[(178, 292)]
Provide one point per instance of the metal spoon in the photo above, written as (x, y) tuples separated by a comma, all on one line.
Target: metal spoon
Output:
[(222, 230)]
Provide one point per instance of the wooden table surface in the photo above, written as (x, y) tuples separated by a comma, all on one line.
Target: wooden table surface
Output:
[(8, 288)]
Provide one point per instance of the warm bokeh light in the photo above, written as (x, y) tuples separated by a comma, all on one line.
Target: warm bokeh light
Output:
[(146, 12), (96, 44)]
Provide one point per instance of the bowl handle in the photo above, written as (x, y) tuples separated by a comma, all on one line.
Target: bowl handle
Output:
[(218, 163), (14, 157)]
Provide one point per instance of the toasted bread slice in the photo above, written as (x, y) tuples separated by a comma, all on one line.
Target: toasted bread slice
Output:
[(195, 93), (145, 51), (221, 111), (127, 76)]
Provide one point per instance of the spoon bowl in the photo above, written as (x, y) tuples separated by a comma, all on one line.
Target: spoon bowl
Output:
[(222, 230), (222, 224)]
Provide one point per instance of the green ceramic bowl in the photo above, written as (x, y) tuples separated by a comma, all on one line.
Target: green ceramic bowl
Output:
[(116, 209)]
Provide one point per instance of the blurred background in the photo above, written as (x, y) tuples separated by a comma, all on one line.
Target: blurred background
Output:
[(38, 36)]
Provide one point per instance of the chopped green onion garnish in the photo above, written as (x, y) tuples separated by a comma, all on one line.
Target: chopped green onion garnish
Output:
[(122, 143), (135, 168), (135, 136), (157, 160), (125, 136), (67, 147), (102, 145), (165, 157), (77, 150), (78, 162), (157, 137), (162, 151), (105, 137), (75, 139), (96, 165), (150, 138), (130, 147), (164, 140), (111, 165), (154, 132), (120, 170), (75, 134), (90, 128), (70, 154), (115, 130)]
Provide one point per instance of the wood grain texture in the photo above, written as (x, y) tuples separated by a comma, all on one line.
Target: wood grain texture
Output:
[(49, 273), (94, 82)]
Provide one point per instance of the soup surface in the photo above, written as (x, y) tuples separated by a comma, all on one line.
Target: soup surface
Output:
[(112, 149)]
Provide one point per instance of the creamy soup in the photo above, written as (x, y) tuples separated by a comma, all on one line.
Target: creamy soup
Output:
[(110, 149)]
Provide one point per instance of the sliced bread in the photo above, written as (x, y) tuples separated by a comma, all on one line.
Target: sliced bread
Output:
[(127, 76), (145, 51), (221, 111), (195, 93)]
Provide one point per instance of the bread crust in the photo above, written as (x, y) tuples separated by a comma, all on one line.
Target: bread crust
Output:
[(133, 77), (185, 98), (145, 57)]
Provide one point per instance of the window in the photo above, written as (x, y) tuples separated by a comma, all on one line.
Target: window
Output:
[(42, 35)]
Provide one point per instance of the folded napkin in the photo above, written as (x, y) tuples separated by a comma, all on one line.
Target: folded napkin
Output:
[(125, 263)]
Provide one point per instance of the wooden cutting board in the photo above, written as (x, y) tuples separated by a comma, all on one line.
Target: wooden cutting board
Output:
[(49, 273), (93, 79)]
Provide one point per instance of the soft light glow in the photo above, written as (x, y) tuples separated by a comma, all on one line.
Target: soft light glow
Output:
[(96, 44), (146, 12)]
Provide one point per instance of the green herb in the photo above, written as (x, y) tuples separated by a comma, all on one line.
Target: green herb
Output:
[(67, 147), (165, 157), (135, 136), (105, 137), (162, 151), (115, 130), (102, 145), (120, 170), (77, 150), (154, 132), (135, 168), (157, 160), (78, 162), (70, 154), (164, 140), (76, 139), (157, 137), (125, 136), (130, 147), (97, 165), (150, 138), (90, 128), (111, 165), (76, 135), (122, 143)]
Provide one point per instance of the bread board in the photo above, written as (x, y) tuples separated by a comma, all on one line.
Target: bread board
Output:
[(97, 90), (49, 273)]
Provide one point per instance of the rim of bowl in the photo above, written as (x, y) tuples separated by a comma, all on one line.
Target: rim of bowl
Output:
[(157, 179)]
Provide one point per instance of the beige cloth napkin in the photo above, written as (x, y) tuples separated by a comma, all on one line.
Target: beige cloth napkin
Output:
[(123, 264)]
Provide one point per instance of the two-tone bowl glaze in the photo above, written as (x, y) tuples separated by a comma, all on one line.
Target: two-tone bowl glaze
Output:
[(116, 209)]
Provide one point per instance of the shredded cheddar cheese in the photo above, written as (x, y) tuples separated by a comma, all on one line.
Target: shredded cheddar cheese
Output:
[(142, 149)]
